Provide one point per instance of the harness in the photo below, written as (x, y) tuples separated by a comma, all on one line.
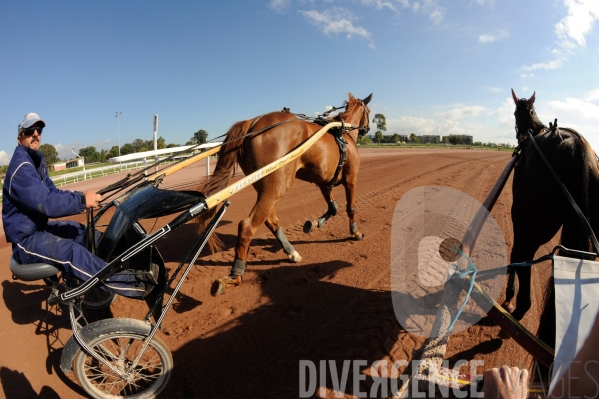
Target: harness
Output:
[(342, 144)]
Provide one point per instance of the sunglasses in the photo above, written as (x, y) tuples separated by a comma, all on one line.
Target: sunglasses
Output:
[(28, 132)]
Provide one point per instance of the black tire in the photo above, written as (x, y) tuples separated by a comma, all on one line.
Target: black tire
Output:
[(97, 298), (150, 377)]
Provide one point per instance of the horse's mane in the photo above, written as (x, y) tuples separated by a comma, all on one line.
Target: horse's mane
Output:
[(349, 106)]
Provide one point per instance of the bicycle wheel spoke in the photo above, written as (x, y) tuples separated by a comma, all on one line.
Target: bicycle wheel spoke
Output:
[(120, 350)]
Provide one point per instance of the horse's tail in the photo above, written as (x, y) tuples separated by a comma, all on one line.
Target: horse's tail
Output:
[(228, 155)]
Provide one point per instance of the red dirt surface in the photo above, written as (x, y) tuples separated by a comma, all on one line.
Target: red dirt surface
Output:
[(334, 305)]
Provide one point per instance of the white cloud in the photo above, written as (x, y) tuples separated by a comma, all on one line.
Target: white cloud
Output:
[(435, 12), (571, 31), (490, 38), (592, 95), (411, 124), (437, 15), (581, 17), (529, 75), (337, 21), (545, 65), (494, 89), (576, 106), (462, 112), (279, 6), (4, 158), (380, 4), (505, 114)]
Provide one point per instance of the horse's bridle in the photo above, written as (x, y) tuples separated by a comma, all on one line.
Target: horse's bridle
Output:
[(537, 127), (362, 130)]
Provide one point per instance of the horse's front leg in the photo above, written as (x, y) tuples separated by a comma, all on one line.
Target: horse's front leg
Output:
[(327, 193), (350, 188), (272, 222)]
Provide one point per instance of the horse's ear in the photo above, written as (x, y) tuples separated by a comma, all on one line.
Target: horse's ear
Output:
[(367, 99), (532, 98), (515, 97)]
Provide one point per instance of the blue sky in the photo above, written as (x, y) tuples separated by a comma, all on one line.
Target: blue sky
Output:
[(434, 67)]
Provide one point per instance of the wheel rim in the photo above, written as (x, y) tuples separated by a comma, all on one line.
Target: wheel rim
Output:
[(148, 378)]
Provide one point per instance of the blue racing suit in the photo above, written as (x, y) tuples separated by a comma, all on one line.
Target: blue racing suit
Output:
[(29, 199)]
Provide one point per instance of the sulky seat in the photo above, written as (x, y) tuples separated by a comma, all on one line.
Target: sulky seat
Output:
[(31, 271)]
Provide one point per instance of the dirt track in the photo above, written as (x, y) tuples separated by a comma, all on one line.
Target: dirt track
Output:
[(335, 305)]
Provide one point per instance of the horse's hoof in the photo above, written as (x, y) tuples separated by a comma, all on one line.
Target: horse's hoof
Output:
[(295, 257), (357, 237), (310, 226), (224, 284)]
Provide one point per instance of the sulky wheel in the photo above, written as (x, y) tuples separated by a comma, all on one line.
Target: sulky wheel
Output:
[(120, 349)]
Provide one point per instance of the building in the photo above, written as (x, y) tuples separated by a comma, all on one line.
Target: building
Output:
[(72, 163)]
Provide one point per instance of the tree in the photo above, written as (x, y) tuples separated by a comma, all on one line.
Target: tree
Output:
[(137, 145), (364, 140), (455, 139), (413, 138), (49, 152), (128, 149), (378, 136), (381, 122), (114, 152), (161, 143), (201, 136), (90, 154)]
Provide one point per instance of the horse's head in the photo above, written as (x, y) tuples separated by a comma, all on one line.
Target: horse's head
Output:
[(526, 117), (357, 113)]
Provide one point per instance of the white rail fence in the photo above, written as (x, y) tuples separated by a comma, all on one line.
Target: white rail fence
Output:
[(90, 173)]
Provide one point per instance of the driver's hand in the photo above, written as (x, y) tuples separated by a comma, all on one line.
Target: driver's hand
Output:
[(92, 199), (505, 382)]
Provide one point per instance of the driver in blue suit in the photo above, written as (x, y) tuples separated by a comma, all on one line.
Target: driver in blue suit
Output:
[(30, 198)]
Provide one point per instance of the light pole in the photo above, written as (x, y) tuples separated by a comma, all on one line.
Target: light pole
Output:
[(118, 116)]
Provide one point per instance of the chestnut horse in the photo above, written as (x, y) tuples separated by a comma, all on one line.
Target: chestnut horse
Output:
[(277, 134), (540, 208)]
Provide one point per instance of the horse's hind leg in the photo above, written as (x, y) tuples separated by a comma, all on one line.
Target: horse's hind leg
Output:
[(263, 208), (272, 222), (327, 193)]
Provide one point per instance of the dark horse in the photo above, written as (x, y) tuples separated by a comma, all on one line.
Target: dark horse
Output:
[(277, 134), (539, 206)]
